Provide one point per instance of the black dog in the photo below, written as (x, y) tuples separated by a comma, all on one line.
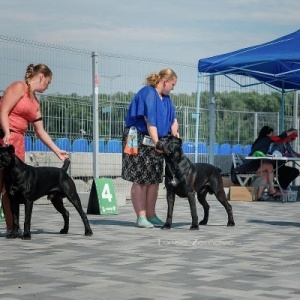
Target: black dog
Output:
[(184, 179), (25, 184)]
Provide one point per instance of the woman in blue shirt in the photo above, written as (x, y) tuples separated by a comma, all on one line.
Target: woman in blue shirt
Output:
[(151, 113)]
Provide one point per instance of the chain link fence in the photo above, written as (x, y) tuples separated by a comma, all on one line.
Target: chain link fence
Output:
[(68, 109)]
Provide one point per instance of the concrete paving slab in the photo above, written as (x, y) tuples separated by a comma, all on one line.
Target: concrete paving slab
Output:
[(256, 259)]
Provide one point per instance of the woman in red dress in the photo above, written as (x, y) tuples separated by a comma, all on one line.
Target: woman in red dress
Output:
[(19, 106)]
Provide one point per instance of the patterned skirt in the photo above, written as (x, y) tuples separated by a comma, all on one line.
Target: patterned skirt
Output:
[(144, 168)]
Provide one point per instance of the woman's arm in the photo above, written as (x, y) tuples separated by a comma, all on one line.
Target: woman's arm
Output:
[(46, 139), (285, 137), (290, 150), (174, 128), (152, 130)]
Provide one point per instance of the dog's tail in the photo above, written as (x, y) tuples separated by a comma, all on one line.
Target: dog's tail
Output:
[(66, 164)]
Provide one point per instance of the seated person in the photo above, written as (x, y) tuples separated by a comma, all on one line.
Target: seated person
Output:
[(264, 169), (286, 174)]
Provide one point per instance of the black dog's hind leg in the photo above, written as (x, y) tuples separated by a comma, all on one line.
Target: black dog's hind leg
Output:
[(170, 201), (221, 196), (75, 200), (201, 195), (57, 202), (192, 202)]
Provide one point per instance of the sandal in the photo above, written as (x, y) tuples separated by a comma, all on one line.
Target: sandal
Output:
[(262, 198), (276, 195)]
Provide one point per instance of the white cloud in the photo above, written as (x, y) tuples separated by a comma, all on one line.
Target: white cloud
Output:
[(169, 29)]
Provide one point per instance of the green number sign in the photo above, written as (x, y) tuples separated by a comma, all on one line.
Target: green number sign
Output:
[(102, 198)]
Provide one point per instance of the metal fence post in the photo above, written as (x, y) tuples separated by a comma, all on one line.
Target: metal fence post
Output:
[(95, 115)]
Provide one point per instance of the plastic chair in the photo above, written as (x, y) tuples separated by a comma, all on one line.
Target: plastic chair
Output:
[(202, 148), (63, 144), (188, 147), (113, 146), (242, 178), (39, 146), (101, 147), (80, 145), (225, 149), (28, 143), (247, 149), (216, 148), (237, 149)]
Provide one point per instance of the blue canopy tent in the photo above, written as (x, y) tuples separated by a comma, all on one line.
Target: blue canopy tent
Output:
[(276, 64)]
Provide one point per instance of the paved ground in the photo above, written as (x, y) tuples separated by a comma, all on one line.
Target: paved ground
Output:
[(256, 259)]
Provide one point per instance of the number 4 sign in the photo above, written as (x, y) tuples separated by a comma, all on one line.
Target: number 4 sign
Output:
[(102, 198)]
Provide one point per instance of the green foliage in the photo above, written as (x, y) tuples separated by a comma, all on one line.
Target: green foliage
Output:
[(68, 115)]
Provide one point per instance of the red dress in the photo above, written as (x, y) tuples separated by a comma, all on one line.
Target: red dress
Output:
[(23, 113)]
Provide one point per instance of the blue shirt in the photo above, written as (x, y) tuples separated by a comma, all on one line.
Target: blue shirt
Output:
[(158, 112)]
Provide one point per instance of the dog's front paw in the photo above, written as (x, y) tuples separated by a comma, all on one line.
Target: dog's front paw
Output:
[(231, 223), (166, 226), (26, 236), (64, 231), (194, 227)]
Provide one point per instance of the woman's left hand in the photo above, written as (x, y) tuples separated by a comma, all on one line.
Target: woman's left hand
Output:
[(62, 155)]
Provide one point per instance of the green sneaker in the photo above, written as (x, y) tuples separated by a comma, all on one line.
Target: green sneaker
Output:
[(20, 233), (156, 221), (9, 232), (143, 223)]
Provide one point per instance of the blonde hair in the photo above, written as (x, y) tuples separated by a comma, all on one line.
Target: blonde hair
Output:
[(33, 70), (154, 78)]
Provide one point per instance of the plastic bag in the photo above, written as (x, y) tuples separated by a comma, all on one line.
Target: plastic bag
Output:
[(131, 146)]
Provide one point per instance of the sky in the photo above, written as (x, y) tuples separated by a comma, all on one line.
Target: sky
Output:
[(174, 30)]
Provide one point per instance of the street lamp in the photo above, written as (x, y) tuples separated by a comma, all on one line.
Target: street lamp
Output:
[(111, 78)]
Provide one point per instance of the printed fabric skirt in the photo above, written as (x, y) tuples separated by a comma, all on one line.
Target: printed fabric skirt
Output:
[(144, 168)]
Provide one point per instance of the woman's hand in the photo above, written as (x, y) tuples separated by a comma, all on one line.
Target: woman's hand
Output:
[(62, 154), (158, 151), (176, 134), (6, 139)]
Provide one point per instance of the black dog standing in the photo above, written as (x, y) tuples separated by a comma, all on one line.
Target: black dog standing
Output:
[(184, 179), (25, 184)]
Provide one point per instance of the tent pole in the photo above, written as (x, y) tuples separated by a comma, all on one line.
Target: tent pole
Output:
[(282, 111), (197, 116), (295, 118), (212, 116), (295, 110)]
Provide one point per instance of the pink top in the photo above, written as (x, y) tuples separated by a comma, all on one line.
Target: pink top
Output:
[(23, 113)]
